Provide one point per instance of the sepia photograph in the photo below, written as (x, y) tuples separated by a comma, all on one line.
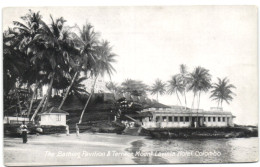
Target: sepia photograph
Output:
[(120, 85)]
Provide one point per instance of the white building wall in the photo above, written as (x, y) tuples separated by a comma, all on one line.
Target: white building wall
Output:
[(100, 86), (176, 124), (149, 124), (166, 123), (10, 119), (53, 120), (218, 123)]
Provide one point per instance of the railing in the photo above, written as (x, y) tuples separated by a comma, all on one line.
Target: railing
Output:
[(216, 108)]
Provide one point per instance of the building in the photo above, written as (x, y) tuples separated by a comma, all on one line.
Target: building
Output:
[(179, 118), (100, 85), (15, 120), (53, 117)]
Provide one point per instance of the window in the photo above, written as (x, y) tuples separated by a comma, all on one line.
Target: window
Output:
[(164, 118), (214, 119), (157, 119), (175, 119), (187, 119), (170, 119), (181, 119), (209, 119), (58, 118), (224, 119), (204, 119), (219, 119)]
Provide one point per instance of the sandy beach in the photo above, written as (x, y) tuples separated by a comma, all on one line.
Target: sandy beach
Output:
[(87, 149)]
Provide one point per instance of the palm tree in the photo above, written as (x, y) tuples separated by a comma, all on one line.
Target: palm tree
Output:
[(21, 35), (52, 47), (134, 87), (200, 82), (175, 85), (14, 61), (31, 25), (113, 87), (78, 88), (25, 33), (222, 91), (103, 65), (185, 79), (158, 88), (87, 42)]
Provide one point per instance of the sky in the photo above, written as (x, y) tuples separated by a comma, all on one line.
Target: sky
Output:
[(152, 42)]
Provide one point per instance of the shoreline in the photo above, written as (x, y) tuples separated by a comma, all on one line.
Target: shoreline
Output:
[(204, 133)]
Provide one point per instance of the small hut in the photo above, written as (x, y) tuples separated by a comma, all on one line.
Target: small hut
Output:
[(53, 117)]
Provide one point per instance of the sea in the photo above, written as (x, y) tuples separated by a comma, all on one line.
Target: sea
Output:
[(151, 151)]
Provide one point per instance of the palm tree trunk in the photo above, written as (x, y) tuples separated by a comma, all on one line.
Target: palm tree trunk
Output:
[(36, 94), (185, 100), (43, 98), (18, 101), (92, 92), (44, 104), (192, 106), (49, 92), (178, 97), (198, 108), (199, 101), (157, 98), (68, 90), (38, 107), (32, 100)]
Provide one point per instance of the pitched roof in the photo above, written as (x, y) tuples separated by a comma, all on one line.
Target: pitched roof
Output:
[(53, 110), (189, 111), (155, 105), (141, 115)]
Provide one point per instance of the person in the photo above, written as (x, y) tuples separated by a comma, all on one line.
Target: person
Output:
[(77, 130), (67, 130), (23, 128)]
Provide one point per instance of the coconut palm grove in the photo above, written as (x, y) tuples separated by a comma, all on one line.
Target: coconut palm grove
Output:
[(54, 55)]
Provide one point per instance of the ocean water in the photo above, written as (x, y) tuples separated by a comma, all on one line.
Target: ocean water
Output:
[(150, 151)]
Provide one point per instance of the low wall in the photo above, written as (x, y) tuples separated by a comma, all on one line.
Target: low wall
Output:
[(227, 132)]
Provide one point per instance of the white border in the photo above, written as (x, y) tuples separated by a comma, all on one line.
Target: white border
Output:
[(41, 3)]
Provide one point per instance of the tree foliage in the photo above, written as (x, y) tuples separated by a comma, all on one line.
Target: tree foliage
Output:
[(37, 53), (222, 91), (134, 87), (158, 88)]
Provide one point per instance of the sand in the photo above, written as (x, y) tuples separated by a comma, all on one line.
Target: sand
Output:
[(87, 149)]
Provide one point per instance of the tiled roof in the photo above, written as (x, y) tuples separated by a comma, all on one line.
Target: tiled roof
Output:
[(54, 110), (142, 114), (188, 111)]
